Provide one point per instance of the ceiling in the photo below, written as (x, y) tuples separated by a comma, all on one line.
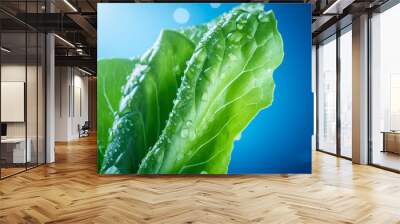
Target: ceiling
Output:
[(75, 23), (329, 16)]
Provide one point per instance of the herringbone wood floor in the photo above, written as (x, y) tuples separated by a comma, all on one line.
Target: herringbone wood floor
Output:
[(70, 191)]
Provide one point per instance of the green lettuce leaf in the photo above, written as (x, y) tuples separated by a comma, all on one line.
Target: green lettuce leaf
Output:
[(227, 82), (197, 32), (112, 76), (146, 101)]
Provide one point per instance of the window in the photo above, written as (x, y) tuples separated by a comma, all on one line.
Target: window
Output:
[(385, 89), (22, 88), (327, 96), (346, 93)]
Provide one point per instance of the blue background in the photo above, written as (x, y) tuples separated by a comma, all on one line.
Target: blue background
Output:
[(278, 140)]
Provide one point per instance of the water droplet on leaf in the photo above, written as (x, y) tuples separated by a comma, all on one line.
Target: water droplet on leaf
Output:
[(232, 56), (263, 18), (235, 37), (184, 133), (204, 97)]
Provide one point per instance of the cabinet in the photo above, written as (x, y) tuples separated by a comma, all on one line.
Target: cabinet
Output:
[(391, 142)]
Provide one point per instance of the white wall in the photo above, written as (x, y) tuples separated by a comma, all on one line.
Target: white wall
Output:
[(81, 82), (71, 94), (62, 82), (13, 100), (16, 72), (33, 127)]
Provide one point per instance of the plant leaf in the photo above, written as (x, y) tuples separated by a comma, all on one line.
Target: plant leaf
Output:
[(197, 32), (227, 82), (112, 76), (146, 102)]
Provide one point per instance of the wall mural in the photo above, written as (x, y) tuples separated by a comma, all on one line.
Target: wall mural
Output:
[(204, 88)]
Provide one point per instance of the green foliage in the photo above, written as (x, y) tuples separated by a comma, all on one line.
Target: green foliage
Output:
[(187, 99), (112, 76), (195, 33), (146, 102), (227, 82)]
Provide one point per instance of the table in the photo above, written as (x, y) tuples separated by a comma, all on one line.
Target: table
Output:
[(13, 150)]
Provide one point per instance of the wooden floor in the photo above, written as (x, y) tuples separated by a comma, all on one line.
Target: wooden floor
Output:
[(5, 172), (70, 191), (387, 159), (8, 171)]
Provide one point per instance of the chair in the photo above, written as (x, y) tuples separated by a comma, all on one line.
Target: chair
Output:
[(84, 130)]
